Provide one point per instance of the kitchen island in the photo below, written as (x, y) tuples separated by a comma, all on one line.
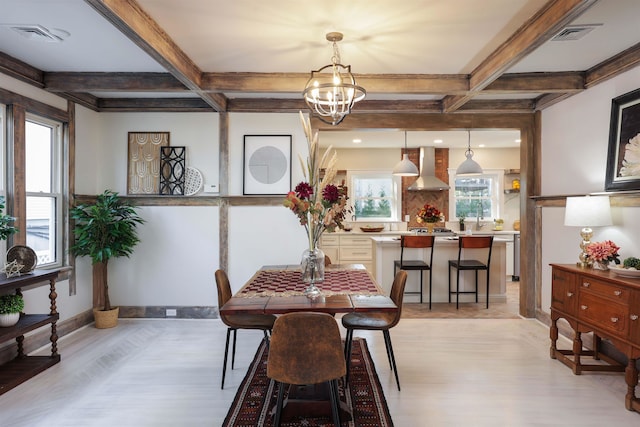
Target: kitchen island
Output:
[(387, 249)]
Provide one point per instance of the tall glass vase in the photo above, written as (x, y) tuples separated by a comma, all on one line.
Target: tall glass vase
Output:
[(312, 271)]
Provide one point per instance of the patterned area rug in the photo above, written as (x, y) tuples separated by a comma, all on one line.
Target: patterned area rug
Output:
[(256, 395)]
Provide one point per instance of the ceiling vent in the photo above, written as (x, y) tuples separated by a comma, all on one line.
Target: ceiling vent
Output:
[(40, 33), (574, 32)]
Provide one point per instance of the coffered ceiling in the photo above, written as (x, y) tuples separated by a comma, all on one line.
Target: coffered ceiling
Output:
[(412, 56)]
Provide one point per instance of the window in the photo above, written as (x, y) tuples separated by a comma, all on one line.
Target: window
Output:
[(43, 179), (476, 196), (375, 195)]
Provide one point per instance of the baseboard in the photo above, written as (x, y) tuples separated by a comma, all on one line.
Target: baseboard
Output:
[(169, 312)]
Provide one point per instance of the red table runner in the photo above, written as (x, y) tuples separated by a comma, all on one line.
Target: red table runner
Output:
[(289, 282)]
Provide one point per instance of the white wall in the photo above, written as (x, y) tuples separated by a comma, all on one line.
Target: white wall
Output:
[(575, 135)]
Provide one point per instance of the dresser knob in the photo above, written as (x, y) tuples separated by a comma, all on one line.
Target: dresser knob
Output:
[(586, 284), (569, 294), (634, 317), (584, 307), (617, 293), (614, 319)]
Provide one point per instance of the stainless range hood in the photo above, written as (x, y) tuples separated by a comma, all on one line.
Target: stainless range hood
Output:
[(427, 179)]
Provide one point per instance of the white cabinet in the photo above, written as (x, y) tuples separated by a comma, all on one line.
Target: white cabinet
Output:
[(348, 249)]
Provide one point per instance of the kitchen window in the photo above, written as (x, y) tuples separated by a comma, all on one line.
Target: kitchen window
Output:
[(374, 195), (476, 196)]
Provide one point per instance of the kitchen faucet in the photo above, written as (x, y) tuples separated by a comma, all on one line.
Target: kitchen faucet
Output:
[(478, 218)]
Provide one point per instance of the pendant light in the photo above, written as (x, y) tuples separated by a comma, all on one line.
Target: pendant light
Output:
[(405, 167), (332, 90), (469, 166)]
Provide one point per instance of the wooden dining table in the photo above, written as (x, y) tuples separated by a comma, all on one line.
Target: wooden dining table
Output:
[(278, 289)]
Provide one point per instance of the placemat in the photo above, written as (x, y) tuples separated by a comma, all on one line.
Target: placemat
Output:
[(289, 282)]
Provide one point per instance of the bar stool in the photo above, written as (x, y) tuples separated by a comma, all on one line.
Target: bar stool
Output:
[(470, 242), (415, 242)]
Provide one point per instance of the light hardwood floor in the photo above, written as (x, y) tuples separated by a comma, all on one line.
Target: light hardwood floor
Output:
[(453, 372)]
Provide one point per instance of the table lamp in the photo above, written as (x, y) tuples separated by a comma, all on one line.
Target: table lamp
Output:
[(587, 212)]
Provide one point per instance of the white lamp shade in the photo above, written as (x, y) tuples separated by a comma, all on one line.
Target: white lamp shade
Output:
[(588, 211), (405, 167), (469, 166)]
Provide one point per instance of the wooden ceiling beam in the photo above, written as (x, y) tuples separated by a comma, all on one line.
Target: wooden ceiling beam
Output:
[(373, 83), (536, 31), (445, 121), (137, 25), (21, 70), (181, 105), (289, 83), (91, 82), (613, 66), (536, 83)]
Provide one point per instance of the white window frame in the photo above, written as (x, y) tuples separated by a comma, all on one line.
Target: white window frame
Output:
[(395, 197), (497, 199), (57, 180)]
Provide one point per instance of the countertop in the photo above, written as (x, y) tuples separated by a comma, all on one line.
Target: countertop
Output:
[(487, 232), (440, 239)]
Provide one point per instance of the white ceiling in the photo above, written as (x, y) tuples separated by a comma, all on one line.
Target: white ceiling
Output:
[(448, 37)]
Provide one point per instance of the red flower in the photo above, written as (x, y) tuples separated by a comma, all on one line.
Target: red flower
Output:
[(304, 190), (428, 213), (331, 193)]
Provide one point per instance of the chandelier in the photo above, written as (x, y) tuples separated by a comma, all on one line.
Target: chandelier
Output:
[(331, 91)]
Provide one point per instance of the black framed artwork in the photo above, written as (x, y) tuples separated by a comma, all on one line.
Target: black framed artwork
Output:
[(623, 159), (267, 165)]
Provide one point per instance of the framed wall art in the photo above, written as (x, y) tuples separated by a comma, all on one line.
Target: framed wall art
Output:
[(143, 165), (267, 164), (623, 160)]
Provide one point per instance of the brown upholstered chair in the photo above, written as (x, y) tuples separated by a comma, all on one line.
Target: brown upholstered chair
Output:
[(234, 322), (327, 261), (306, 348), (416, 242), (460, 264), (378, 321)]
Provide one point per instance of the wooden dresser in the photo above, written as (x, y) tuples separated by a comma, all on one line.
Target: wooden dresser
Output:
[(605, 304)]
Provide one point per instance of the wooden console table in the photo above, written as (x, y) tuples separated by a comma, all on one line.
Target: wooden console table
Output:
[(605, 304), (23, 367)]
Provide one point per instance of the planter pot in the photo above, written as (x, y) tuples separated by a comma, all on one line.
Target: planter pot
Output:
[(10, 319), (106, 318)]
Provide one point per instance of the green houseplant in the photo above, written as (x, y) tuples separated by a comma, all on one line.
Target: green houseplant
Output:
[(10, 307), (6, 221), (103, 230)]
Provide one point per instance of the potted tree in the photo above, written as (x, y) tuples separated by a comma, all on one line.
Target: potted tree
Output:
[(103, 230), (10, 308)]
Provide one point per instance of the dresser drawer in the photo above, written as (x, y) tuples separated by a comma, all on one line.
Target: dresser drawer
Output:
[(607, 290), (563, 291), (329, 240), (603, 314), (356, 254), (355, 240)]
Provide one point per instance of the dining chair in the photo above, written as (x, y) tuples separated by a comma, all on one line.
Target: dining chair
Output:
[(377, 321), (327, 261), (263, 322), (461, 264), (306, 348), (415, 242)]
